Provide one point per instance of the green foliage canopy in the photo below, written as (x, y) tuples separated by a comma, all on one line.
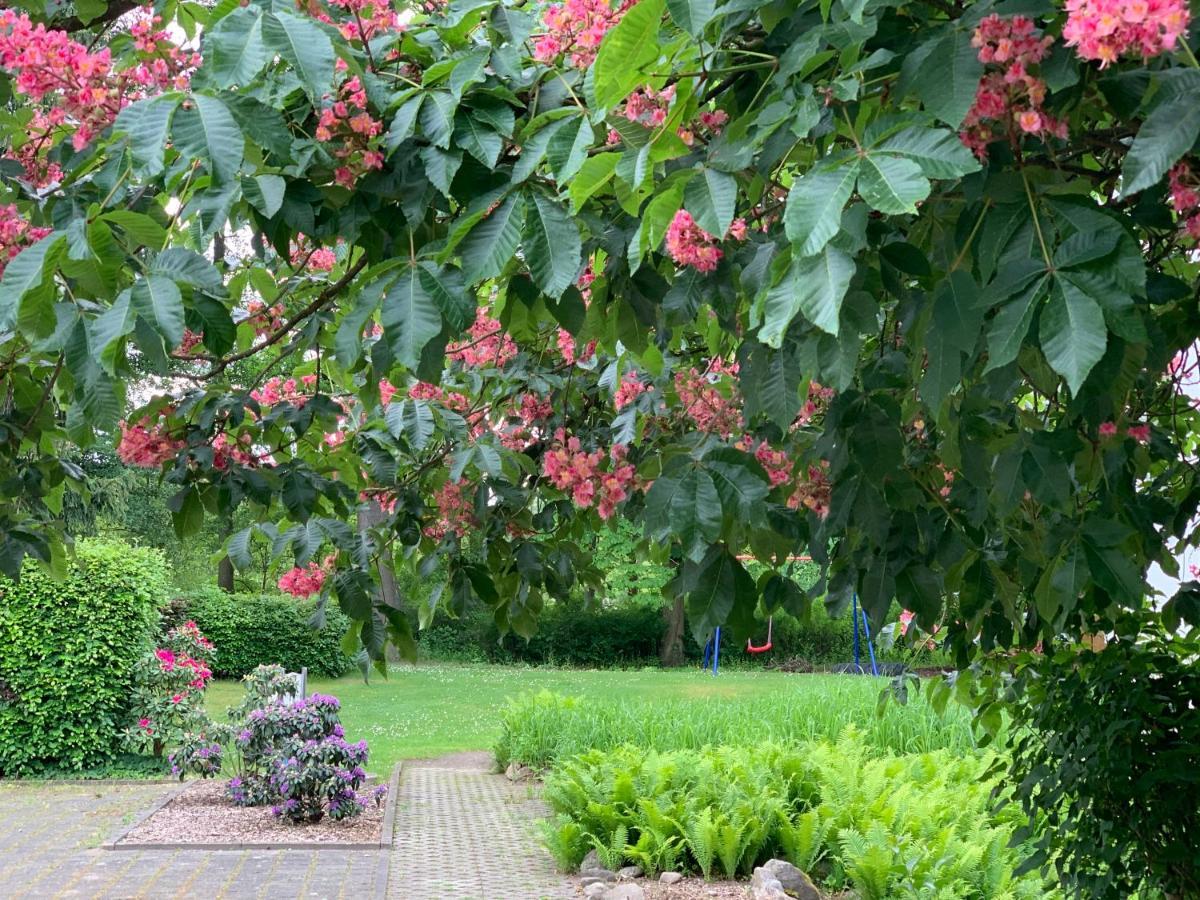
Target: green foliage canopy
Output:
[(966, 365)]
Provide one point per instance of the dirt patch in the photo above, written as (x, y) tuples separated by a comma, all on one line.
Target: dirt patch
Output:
[(203, 814)]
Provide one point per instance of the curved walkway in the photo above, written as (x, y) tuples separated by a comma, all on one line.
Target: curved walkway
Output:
[(462, 833)]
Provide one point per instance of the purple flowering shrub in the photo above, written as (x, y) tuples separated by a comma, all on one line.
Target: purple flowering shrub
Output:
[(295, 756), (319, 777), (197, 754)]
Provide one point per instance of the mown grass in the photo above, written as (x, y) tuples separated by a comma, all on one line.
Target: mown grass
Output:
[(434, 709)]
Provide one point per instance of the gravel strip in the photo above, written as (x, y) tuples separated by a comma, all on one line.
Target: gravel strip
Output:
[(202, 814), (696, 889)]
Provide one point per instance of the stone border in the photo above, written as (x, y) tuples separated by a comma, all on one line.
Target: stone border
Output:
[(387, 835), (88, 782), (385, 832)]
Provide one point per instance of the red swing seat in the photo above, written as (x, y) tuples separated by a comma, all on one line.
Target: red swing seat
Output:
[(750, 648)]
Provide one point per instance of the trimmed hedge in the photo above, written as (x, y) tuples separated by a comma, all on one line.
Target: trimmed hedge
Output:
[(253, 629), (629, 635), (67, 652)]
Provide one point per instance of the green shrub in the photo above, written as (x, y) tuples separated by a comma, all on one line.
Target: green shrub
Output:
[(539, 729), (883, 826), (67, 652), (249, 630)]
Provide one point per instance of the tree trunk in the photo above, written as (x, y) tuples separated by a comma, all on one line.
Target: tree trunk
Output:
[(225, 566), (670, 652)]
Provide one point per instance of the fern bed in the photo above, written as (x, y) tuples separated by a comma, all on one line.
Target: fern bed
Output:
[(879, 824)]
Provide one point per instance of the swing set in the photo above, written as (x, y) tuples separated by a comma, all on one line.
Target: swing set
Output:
[(712, 647)]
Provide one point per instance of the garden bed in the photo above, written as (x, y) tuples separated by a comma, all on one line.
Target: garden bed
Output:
[(201, 816)]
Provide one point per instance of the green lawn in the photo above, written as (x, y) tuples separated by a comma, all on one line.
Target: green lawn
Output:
[(438, 708)]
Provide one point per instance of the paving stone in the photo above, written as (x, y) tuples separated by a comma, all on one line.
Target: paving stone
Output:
[(464, 832)]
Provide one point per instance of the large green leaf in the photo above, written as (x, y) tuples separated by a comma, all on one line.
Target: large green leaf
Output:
[(692, 15), (696, 512), (156, 299), (404, 123), (953, 331), (814, 286), (814, 207), (234, 49), (206, 129), (770, 381), (552, 244), (1072, 333), (711, 198), (478, 140), (1168, 133), (626, 50), (891, 184), (437, 117), (148, 123), (567, 148), (1008, 329), (938, 152), (410, 317), (596, 172), (26, 273), (947, 73), (306, 46), (445, 285), (720, 584), (490, 245), (106, 330)]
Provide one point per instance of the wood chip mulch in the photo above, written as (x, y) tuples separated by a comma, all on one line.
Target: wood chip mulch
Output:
[(696, 889), (203, 814)]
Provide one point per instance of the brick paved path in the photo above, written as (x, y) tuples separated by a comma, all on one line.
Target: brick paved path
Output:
[(51, 835), (463, 833)]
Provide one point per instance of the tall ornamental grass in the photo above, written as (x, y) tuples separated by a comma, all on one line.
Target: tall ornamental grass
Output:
[(539, 729)]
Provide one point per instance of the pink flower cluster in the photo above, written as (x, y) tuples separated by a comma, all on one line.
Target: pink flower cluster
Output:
[(281, 390), (649, 107), (265, 319), (1139, 432), (690, 245), (1185, 198), (169, 661), (576, 28), (711, 409), (488, 345), (227, 450), (565, 342), (369, 18), (191, 340), (347, 123), (147, 444), (630, 388), (571, 469), (455, 511), (321, 259), (813, 493), (16, 234), (306, 581), (1105, 30), (83, 87), (529, 411), (1008, 100)]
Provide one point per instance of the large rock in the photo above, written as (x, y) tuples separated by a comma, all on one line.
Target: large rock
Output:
[(628, 873), (596, 876), (671, 877), (518, 772), (595, 891), (625, 892), (592, 861), (778, 879)]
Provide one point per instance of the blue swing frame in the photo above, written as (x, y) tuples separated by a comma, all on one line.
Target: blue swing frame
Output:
[(712, 647)]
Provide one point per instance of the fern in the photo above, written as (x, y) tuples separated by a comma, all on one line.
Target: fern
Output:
[(804, 839), (702, 839), (564, 839), (612, 852)]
